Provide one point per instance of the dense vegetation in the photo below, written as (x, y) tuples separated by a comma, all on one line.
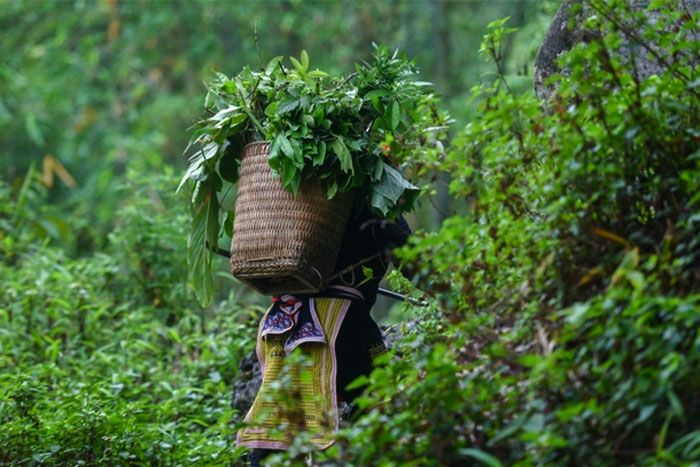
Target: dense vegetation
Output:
[(565, 327), (564, 317)]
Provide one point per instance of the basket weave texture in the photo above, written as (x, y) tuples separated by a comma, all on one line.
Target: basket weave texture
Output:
[(282, 243)]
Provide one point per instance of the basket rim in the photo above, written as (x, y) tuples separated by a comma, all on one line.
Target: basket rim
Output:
[(256, 143)]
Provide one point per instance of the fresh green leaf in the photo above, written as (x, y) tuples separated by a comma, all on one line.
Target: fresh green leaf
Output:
[(390, 188), (320, 156), (317, 74), (286, 146), (286, 105), (298, 66), (393, 116), (273, 64), (341, 151), (332, 190), (376, 93), (204, 230), (481, 456)]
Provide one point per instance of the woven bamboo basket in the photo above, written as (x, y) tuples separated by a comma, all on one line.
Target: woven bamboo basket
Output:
[(282, 243)]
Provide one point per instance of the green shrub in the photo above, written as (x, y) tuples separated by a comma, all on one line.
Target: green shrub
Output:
[(149, 236), (566, 300), (105, 359)]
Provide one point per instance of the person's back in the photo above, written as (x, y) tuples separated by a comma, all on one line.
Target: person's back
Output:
[(334, 329), (368, 244)]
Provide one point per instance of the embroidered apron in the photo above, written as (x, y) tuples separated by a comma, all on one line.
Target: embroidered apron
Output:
[(298, 392)]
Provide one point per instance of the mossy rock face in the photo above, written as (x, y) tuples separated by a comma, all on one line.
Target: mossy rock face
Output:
[(246, 385), (560, 38)]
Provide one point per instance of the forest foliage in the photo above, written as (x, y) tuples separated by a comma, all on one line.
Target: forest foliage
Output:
[(571, 285), (563, 318)]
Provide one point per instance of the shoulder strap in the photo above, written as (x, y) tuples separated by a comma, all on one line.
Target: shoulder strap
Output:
[(350, 268)]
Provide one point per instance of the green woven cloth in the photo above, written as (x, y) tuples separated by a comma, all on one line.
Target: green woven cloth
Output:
[(298, 392)]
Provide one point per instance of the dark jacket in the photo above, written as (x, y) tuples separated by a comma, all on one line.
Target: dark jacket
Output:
[(369, 238)]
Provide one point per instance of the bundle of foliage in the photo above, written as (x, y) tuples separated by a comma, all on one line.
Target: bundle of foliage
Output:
[(346, 133), (566, 315)]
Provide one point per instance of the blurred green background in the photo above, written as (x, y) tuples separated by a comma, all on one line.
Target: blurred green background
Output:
[(91, 91), (102, 87), (562, 324)]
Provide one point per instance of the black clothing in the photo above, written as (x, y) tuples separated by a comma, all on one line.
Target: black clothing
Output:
[(370, 238), (359, 339)]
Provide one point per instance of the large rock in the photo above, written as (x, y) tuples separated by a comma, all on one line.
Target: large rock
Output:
[(246, 385), (560, 38)]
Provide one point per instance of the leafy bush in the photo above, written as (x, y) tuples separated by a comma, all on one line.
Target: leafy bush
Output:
[(566, 300), (150, 235), (95, 370)]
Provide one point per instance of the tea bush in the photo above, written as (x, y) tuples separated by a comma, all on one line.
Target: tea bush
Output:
[(106, 359), (565, 326)]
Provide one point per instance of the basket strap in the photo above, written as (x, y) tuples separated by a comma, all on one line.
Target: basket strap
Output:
[(218, 251), (350, 268), (342, 291)]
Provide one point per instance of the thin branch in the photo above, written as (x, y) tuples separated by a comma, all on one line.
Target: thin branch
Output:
[(257, 44), (501, 71), (252, 118)]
